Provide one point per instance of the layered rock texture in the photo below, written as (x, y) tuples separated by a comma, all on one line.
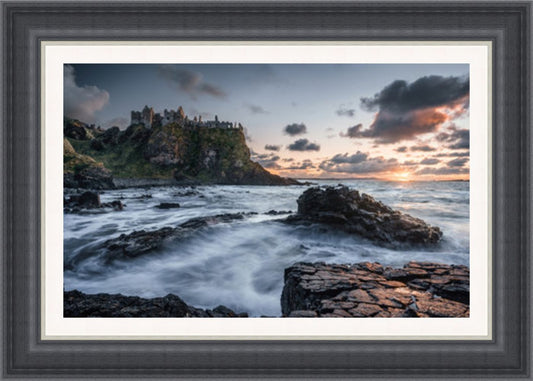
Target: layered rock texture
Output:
[(185, 154), (78, 304), (355, 213), (419, 289)]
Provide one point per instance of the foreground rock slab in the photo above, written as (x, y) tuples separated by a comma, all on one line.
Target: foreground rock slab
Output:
[(355, 213), (78, 304), (419, 289)]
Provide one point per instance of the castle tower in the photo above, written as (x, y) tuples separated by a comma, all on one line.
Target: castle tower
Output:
[(181, 113), (148, 116)]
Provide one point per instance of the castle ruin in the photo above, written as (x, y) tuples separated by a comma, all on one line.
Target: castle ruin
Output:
[(148, 118)]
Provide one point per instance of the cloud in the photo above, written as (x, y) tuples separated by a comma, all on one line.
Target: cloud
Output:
[(267, 160), (306, 164), (405, 110), (288, 160), (409, 163), (459, 138), (271, 147), (255, 109), (422, 148), (120, 122), (453, 154), (295, 129), (190, 82), (401, 149), (344, 111), (303, 145), (81, 102), (459, 162), (356, 158), (352, 132), (430, 161), (357, 165), (441, 171)]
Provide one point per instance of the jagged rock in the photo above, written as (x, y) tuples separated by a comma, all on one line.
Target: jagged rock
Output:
[(370, 290), (75, 129), (79, 304), (142, 242), (168, 205), (355, 213)]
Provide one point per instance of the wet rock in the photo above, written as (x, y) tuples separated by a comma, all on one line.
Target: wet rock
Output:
[(371, 290), (141, 242), (88, 200), (79, 304), (168, 205), (278, 212), (355, 213)]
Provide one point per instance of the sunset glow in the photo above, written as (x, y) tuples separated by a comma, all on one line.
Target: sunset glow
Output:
[(395, 122)]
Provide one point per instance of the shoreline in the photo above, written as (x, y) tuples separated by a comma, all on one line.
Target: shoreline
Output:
[(365, 289)]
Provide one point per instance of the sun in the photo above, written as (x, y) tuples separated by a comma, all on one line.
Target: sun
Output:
[(402, 176)]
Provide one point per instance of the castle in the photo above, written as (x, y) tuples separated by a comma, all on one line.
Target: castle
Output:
[(149, 118)]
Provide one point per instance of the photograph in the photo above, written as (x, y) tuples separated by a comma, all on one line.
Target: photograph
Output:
[(266, 190)]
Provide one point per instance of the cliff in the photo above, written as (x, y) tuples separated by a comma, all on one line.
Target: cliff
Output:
[(187, 155)]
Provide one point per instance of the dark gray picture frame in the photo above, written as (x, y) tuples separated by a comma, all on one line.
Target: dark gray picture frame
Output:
[(506, 24)]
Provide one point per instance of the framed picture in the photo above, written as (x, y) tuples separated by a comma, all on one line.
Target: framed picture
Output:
[(320, 190)]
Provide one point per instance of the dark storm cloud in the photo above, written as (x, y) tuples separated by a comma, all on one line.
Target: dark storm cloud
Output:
[(303, 145), (430, 161), (459, 162), (354, 164), (458, 138), (81, 102), (401, 149), (255, 109), (344, 111), (271, 147), (188, 81), (352, 132), (405, 110), (295, 129), (422, 148)]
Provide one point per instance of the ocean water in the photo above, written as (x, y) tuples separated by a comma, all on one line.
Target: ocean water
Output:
[(241, 264)]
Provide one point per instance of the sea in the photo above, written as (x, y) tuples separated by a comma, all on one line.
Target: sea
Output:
[(241, 264)]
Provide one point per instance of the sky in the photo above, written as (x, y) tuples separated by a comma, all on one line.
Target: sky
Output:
[(398, 122)]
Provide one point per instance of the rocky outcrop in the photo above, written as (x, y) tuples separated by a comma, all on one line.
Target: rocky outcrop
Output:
[(78, 304), (82, 171), (177, 151), (138, 243), (355, 213), (419, 289), (88, 200)]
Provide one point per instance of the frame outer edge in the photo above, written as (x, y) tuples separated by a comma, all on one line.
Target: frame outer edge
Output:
[(525, 183)]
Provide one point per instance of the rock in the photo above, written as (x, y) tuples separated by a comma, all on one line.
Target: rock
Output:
[(137, 243), (94, 177), (369, 290), (347, 210), (278, 212), (79, 304), (168, 205), (89, 200)]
